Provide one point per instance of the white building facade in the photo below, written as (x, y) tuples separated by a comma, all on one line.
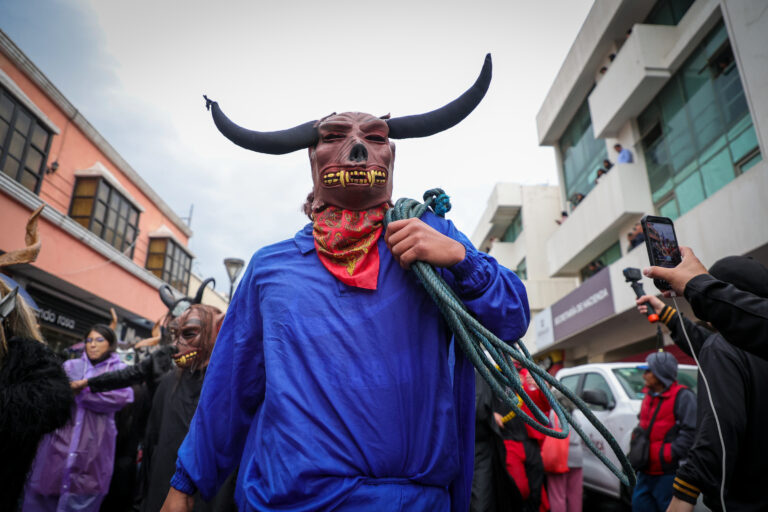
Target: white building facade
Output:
[(681, 84), (514, 229)]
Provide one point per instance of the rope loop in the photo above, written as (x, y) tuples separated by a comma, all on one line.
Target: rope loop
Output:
[(438, 201), (493, 358)]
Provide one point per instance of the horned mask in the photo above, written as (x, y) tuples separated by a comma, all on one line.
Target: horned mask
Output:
[(351, 154)]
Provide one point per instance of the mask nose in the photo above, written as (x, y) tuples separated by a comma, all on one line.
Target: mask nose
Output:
[(359, 153)]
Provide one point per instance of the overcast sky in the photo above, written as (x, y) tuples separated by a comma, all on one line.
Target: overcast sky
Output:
[(137, 71)]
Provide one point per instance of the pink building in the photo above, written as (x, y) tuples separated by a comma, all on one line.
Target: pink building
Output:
[(108, 239)]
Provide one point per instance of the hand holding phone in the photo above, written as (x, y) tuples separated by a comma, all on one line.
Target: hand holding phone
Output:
[(679, 276), (661, 242)]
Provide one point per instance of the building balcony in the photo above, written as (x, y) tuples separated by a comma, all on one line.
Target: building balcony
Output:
[(643, 66), (621, 195), (503, 206)]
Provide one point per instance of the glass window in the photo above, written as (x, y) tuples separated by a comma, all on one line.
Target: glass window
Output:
[(631, 380), (96, 203), (570, 382), (688, 377), (582, 153), (522, 270), (668, 12), (24, 143), (697, 133), (514, 229), (605, 258), (169, 262), (595, 381)]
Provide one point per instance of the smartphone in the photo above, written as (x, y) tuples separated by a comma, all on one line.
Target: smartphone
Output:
[(661, 242)]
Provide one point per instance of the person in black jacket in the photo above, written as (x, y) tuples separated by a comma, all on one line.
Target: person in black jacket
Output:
[(492, 486), (35, 397), (737, 309), (738, 381)]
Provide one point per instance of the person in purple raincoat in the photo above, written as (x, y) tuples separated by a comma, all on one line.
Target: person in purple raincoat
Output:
[(73, 466)]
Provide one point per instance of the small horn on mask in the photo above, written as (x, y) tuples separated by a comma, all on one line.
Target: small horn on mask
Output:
[(166, 295), (199, 295), (273, 143), (422, 125), (32, 241)]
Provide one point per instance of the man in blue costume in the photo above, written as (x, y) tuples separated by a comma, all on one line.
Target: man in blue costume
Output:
[(334, 382)]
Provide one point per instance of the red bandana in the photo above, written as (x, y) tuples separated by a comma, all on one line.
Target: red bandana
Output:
[(346, 244)]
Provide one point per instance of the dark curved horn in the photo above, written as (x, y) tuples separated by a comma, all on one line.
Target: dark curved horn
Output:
[(199, 295), (443, 118), (274, 143), (166, 295)]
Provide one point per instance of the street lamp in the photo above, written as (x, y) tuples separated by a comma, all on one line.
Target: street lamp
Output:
[(234, 266)]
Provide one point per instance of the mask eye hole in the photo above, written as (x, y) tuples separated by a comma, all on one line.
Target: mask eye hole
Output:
[(332, 137), (375, 138)]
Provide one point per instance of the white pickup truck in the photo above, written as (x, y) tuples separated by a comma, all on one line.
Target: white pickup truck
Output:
[(614, 393)]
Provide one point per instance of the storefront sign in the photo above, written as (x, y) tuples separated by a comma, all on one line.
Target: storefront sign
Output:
[(64, 315), (583, 307), (53, 317)]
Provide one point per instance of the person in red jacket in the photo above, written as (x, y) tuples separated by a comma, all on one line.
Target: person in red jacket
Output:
[(668, 414)]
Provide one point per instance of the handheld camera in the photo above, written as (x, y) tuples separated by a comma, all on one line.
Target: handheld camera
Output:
[(634, 276)]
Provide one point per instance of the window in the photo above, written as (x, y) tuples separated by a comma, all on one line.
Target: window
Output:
[(170, 262), (570, 382), (582, 153), (514, 229), (596, 382), (522, 270), (98, 206), (24, 143), (631, 380), (668, 12), (697, 134), (608, 256)]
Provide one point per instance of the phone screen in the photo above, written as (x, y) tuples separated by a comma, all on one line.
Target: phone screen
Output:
[(662, 244)]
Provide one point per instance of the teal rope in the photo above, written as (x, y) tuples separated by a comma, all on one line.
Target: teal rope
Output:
[(476, 341)]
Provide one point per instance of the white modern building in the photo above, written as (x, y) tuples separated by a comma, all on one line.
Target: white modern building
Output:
[(681, 84), (514, 229)]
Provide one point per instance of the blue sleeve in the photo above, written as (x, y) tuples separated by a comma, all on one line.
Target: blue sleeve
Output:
[(492, 292), (232, 392)]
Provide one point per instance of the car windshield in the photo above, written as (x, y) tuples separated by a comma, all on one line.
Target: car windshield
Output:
[(632, 380)]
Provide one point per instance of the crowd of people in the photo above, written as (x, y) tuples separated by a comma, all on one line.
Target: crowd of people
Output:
[(325, 387)]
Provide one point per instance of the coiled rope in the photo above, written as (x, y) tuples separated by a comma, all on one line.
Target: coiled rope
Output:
[(491, 356)]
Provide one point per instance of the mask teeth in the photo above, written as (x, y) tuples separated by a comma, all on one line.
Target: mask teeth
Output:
[(186, 358), (343, 177)]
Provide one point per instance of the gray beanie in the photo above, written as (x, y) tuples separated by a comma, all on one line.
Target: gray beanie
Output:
[(664, 366)]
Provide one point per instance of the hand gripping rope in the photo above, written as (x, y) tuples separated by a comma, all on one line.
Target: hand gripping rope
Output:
[(490, 355)]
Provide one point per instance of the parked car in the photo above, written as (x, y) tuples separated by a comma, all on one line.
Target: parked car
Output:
[(614, 392)]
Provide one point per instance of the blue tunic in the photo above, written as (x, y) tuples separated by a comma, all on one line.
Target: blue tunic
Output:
[(334, 397)]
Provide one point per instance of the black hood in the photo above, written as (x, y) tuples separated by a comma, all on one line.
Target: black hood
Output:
[(743, 272)]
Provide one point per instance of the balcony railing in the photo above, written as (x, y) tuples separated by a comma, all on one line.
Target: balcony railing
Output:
[(621, 195)]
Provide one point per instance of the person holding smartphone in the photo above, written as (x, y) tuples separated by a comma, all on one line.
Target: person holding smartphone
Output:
[(737, 307), (737, 380)]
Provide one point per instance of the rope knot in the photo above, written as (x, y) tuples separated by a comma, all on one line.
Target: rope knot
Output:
[(438, 200)]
